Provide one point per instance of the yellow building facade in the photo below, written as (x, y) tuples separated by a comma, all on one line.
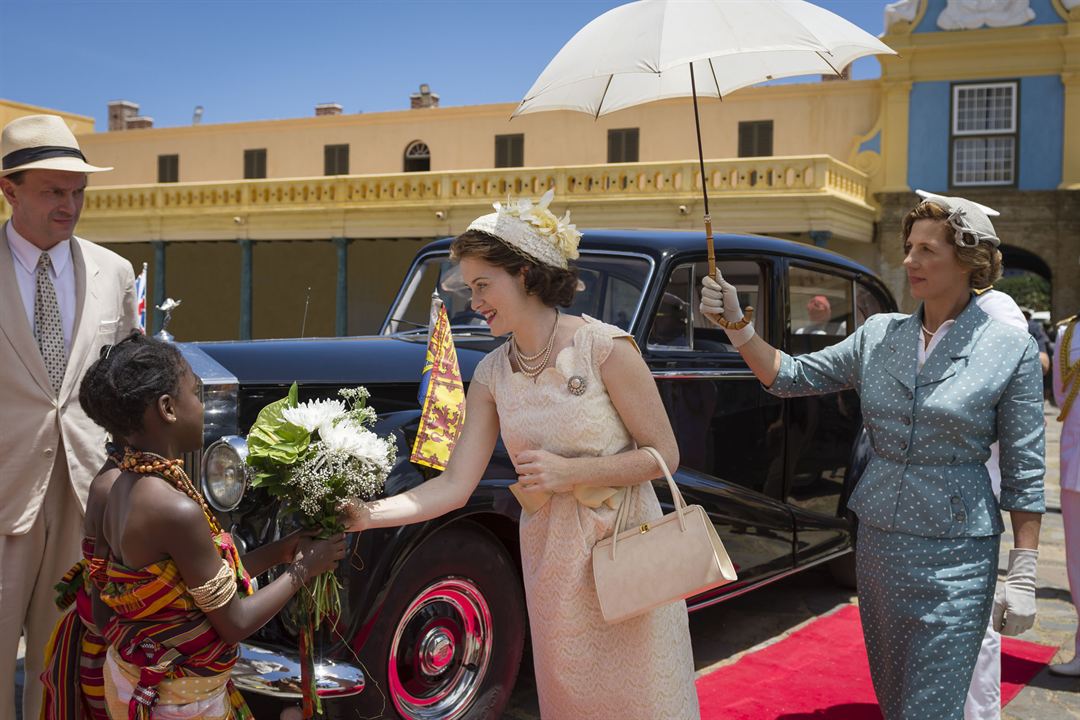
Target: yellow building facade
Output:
[(320, 238)]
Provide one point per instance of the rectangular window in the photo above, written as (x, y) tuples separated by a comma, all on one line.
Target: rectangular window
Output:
[(255, 164), (509, 151), (820, 310), (622, 145), (755, 138), (168, 168), (983, 140), (336, 160)]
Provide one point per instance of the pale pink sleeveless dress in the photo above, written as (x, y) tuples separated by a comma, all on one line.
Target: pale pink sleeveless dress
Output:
[(586, 669)]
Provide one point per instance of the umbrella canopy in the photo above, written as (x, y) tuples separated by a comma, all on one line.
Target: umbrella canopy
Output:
[(656, 49), (643, 51)]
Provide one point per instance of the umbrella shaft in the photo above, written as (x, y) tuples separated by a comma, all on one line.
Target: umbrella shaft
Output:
[(704, 183)]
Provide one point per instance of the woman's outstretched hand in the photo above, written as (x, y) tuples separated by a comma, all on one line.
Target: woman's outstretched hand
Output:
[(353, 515), (541, 471)]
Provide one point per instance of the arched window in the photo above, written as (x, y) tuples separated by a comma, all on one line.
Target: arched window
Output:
[(417, 157)]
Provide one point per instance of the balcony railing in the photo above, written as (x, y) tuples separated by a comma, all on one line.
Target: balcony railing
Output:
[(803, 175)]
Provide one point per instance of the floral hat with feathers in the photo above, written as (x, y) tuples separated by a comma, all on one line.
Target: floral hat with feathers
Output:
[(969, 219), (533, 230)]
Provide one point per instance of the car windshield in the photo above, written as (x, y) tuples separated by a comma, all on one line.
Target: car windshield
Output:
[(610, 288)]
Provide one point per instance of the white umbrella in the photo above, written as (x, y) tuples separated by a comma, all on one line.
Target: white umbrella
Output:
[(656, 49)]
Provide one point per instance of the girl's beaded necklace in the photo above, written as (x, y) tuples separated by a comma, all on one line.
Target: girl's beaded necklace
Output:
[(147, 463)]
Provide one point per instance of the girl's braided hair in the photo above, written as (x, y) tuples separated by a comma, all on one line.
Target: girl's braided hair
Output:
[(126, 379)]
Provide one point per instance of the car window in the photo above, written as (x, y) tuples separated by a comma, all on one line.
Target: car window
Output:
[(610, 288), (819, 310), (867, 303), (678, 326)]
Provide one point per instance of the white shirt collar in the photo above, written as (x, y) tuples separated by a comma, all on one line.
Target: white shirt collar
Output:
[(27, 253)]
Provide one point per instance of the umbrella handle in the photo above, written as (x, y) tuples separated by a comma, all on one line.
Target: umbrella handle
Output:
[(709, 246)]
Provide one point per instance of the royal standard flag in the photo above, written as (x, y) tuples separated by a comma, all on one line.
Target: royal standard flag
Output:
[(441, 396)]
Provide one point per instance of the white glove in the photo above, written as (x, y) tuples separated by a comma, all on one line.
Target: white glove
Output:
[(720, 300), (1014, 603)]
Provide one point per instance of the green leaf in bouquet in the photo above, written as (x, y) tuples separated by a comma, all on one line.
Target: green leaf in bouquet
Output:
[(273, 438)]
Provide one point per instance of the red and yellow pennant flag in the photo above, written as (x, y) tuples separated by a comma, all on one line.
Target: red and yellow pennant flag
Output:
[(441, 396)]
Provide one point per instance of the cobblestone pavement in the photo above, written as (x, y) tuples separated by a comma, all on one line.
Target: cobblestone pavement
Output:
[(724, 633)]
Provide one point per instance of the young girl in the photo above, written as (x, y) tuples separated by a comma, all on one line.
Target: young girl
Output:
[(180, 597), (74, 658), (573, 401)]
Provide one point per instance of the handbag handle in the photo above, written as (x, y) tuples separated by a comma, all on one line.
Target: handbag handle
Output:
[(624, 506)]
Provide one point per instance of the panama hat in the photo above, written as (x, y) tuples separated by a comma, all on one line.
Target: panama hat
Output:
[(41, 142)]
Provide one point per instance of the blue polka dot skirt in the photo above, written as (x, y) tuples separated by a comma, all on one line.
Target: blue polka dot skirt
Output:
[(925, 603)]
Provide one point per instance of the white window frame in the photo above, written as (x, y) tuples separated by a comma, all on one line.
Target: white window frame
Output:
[(1012, 131)]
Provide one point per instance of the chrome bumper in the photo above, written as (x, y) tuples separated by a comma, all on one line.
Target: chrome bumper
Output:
[(277, 673)]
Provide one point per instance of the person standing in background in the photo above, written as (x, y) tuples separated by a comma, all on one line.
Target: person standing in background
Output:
[(61, 299), (984, 695), (1066, 389)]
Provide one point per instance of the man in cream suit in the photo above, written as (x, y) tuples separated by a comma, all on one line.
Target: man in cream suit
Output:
[(61, 299)]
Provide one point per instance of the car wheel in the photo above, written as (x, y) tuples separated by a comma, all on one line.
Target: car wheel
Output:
[(842, 570), (448, 640)]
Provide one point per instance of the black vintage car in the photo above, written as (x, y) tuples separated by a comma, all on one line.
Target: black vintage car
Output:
[(434, 618)]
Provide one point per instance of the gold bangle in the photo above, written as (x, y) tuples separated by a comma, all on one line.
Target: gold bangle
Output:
[(748, 317)]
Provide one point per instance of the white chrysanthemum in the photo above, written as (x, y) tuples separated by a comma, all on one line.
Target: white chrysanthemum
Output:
[(349, 437), (313, 414)]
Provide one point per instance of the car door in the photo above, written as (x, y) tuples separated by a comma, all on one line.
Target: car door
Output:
[(730, 442), (824, 305)]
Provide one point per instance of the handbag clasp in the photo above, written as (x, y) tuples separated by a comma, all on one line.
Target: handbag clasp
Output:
[(644, 528)]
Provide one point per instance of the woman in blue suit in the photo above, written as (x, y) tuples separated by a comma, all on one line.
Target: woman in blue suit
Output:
[(937, 388)]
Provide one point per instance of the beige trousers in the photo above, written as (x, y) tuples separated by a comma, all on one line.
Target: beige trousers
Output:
[(30, 565)]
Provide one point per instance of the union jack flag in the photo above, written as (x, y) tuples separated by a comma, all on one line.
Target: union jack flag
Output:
[(140, 298)]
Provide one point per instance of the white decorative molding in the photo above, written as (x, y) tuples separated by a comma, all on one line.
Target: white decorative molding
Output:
[(903, 11), (974, 14)]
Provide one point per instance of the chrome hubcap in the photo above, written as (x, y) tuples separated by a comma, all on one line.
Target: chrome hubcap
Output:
[(436, 651), (441, 651)]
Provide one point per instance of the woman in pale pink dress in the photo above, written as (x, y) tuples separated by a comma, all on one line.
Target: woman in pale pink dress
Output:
[(573, 401)]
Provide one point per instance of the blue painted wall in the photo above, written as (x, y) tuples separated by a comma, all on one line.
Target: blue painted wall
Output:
[(1044, 15), (928, 136), (1042, 132), (1042, 128), (873, 144)]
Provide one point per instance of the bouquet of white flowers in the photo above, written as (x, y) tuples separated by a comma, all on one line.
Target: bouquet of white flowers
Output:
[(313, 456)]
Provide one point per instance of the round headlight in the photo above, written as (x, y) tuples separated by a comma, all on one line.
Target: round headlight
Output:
[(225, 473)]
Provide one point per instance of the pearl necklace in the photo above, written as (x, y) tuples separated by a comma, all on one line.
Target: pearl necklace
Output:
[(528, 364)]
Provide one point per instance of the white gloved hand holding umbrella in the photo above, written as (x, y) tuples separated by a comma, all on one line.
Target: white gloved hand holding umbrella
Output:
[(720, 304)]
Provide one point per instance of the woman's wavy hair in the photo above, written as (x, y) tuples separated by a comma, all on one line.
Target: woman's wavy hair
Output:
[(554, 286), (127, 378), (983, 259)]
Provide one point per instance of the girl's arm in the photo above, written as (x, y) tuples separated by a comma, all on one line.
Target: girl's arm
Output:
[(182, 535)]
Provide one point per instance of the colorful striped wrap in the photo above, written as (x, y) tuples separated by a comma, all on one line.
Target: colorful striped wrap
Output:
[(75, 655), (158, 628)]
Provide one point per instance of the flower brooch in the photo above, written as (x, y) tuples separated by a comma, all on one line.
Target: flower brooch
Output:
[(576, 385)]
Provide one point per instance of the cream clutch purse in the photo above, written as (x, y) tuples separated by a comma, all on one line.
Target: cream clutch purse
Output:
[(641, 568)]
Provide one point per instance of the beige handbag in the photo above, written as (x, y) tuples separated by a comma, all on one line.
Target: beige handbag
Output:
[(658, 562)]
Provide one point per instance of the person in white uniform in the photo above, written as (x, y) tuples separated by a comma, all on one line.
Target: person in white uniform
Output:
[(984, 695), (1066, 390)]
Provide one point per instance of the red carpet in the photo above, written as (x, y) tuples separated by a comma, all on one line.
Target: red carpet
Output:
[(820, 673)]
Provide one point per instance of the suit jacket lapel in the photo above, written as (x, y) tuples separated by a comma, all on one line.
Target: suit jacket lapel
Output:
[(902, 359), (13, 318), (954, 348), (84, 329)]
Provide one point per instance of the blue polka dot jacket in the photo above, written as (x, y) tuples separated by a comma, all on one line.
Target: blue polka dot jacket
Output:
[(931, 430)]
